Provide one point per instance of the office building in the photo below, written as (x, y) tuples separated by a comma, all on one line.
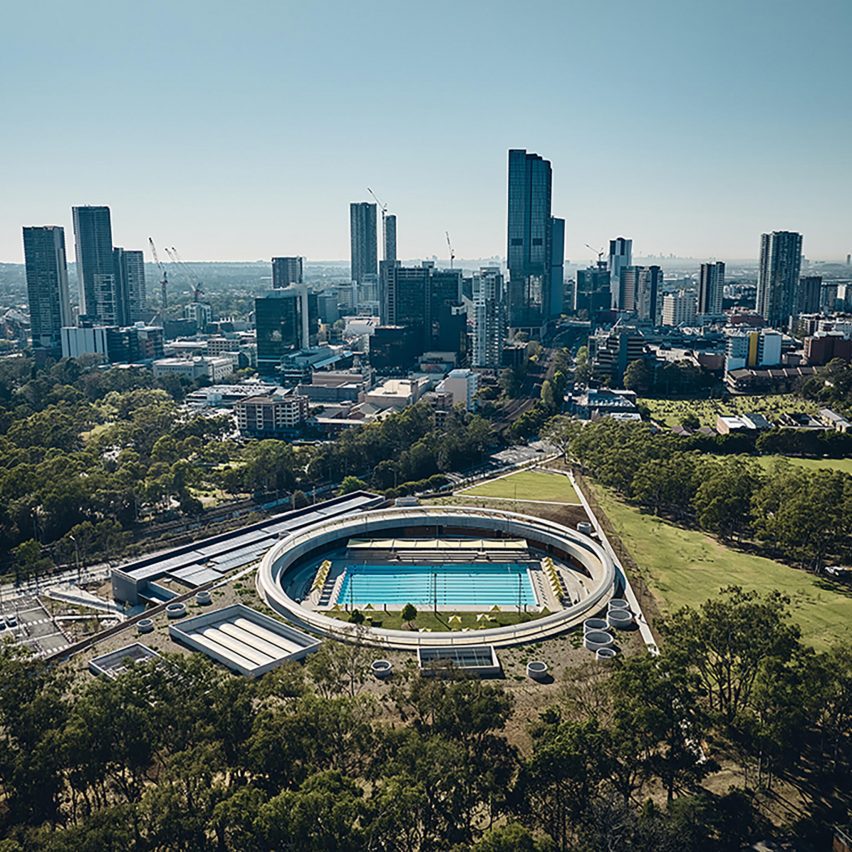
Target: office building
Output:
[(711, 286), (389, 225), (462, 386), (826, 346), (287, 271), (131, 296), (610, 351), (678, 308), (778, 276), (640, 289), (428, 300), (620, 257), (362, 237), (273, 415), (752, 349), (393, 347), (99, 297), (557, 268), (808, 298), (86, 340), (592, 294), (47, 285), (286, 321), (530, 241), (489, 317), (192, 369)]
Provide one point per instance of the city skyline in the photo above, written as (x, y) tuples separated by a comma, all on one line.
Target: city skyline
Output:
[(213, 77)]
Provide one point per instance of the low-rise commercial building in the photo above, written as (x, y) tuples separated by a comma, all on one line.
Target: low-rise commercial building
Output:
[(462, 385), (273, 415), (201, 367)]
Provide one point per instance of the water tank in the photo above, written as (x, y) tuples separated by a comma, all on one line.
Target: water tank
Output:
[(537, 670), (604, 655), (203, 597), (175, 610), (620, 618), (381, 668), (596, 639), (145, 625), (594, 624), (585, 527), (618, 603)]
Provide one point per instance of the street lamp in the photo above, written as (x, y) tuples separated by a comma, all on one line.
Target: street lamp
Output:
[(76, 557)]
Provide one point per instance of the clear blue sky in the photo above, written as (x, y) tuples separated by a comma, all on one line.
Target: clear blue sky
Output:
[(239, 130)]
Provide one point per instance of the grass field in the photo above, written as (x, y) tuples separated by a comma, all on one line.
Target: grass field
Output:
[(843, 465), (685, 567), (527, 485), (771, 406)]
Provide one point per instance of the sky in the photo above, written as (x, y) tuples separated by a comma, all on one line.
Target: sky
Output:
[(242, 130)]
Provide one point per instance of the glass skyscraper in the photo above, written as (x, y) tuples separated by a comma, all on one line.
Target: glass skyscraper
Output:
[(530, 238), (47, 285), (778, 276), (362, 240), (711, 285), (99, 298)]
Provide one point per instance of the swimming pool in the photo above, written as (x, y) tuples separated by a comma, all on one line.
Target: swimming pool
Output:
[(447, 585)]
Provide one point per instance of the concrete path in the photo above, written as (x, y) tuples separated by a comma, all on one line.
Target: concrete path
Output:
[(629, 594)]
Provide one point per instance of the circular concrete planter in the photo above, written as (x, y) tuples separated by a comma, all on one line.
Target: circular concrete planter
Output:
[(176, 610), (382, 669), (537, 670), (604, 655), (203, 597), (594, 624), (596, 639), (145, 625), (618, 603), (619, 618), (585, 527)]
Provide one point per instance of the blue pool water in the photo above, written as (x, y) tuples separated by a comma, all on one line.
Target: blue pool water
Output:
[(452, 584)]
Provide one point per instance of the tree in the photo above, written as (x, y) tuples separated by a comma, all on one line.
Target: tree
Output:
[(723, 499), (637, 376), (409, 613), (350, 484)]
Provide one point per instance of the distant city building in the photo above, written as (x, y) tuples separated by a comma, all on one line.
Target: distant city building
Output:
[(678, 308), (362, 237), (134, 344), (47, 285), (428, 300), (778, 276), (201, 367), (711, 287), (604, 402), (200, 312), (557, 268), (826, 346), (390, 238), (272, 415), (99, 297), (91, 340), (750, 349), (640, 291), (808, 298), (611, 351), (287, 271), (286, 320), (129, 266), (489, 317), (530, 241), (620, 257), (462, 385), (592, 293), (394, 347)]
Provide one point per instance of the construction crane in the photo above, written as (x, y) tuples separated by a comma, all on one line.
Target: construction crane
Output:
[(600, 252), (164, 283), (384, 209), (450, 247), (197, 288)]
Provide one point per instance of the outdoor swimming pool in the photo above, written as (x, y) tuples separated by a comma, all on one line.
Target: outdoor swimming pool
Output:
[(445, 585)]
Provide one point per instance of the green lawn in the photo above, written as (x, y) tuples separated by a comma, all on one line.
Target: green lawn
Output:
[(766, 462), (685, 567), (527, 485), (771, 406)]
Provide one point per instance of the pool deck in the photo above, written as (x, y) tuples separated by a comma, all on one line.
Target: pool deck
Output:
[(541, 588)]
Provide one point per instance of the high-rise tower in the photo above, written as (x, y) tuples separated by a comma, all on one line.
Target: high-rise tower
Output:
[(131, 297), (95, 264), (287, 271), (362, 238), (390, 238), (778, 276), (620, 257), (47, 285), (529, 244), (711, 285)]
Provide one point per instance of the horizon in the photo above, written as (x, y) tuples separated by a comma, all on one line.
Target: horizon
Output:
[(209, 137)]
